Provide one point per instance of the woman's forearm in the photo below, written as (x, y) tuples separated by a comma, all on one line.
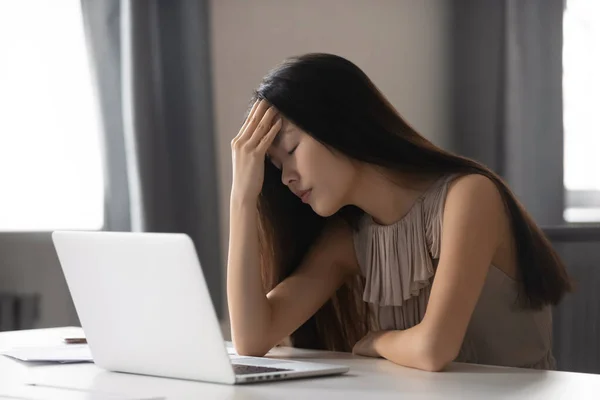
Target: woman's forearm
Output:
[(249, 309)]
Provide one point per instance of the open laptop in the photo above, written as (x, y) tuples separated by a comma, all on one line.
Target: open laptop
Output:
[(145, 308)]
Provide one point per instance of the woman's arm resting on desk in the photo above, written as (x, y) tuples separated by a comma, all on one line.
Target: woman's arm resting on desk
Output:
[(473, 223)]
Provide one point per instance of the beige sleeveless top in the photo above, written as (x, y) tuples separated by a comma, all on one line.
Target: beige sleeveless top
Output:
[(398, 262)]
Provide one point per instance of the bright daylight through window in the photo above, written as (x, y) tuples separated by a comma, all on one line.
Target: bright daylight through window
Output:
[(50, 158), (581, 98)]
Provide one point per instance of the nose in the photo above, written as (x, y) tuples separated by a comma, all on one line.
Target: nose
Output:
[(288, 175)]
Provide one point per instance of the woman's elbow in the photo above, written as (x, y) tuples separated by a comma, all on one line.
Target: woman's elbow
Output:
[(247, 349), (436, 357), (433, 364), (249, 352)]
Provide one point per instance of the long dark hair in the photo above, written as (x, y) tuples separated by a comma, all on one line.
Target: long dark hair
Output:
[(335, 102)]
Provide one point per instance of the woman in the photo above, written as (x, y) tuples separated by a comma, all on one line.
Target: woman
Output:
[(351, 232)]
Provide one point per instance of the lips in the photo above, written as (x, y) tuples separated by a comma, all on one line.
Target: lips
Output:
[(304, 195)]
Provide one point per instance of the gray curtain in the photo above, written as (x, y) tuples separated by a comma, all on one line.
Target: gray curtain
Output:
[(151, 62), (507, 95)]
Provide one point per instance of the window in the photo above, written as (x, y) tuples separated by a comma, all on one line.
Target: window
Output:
[(581, 88), (50, 160)]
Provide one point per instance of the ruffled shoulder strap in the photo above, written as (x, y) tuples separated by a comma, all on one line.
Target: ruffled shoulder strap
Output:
[(434, 204)]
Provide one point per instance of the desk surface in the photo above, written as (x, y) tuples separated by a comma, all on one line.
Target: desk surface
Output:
[(368, 379)]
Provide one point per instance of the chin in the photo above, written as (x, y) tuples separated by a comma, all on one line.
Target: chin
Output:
[(324, 210)]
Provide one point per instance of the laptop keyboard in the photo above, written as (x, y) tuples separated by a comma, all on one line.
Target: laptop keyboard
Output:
[(240, 369)]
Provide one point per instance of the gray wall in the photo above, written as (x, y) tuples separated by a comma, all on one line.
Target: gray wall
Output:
[(29, 264)]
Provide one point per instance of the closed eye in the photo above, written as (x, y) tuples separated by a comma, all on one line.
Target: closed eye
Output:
[(272, 161), (293, 150)]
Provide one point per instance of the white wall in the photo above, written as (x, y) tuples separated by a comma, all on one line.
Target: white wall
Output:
[(402, 45)]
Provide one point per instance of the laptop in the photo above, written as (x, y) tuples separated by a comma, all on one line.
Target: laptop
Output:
[(145, 308)]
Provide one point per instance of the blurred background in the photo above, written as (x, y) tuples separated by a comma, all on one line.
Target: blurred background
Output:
[(118, 115)]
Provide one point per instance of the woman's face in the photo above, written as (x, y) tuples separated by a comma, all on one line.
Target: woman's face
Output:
[(321, 177)]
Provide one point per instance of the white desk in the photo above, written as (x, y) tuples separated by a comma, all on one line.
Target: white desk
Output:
[(367, 379)]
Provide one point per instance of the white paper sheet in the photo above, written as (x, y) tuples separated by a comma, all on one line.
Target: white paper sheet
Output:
[(65, 353), (60, 354)]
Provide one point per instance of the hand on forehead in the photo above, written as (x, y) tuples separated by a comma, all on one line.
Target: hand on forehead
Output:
[(276, 146)]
